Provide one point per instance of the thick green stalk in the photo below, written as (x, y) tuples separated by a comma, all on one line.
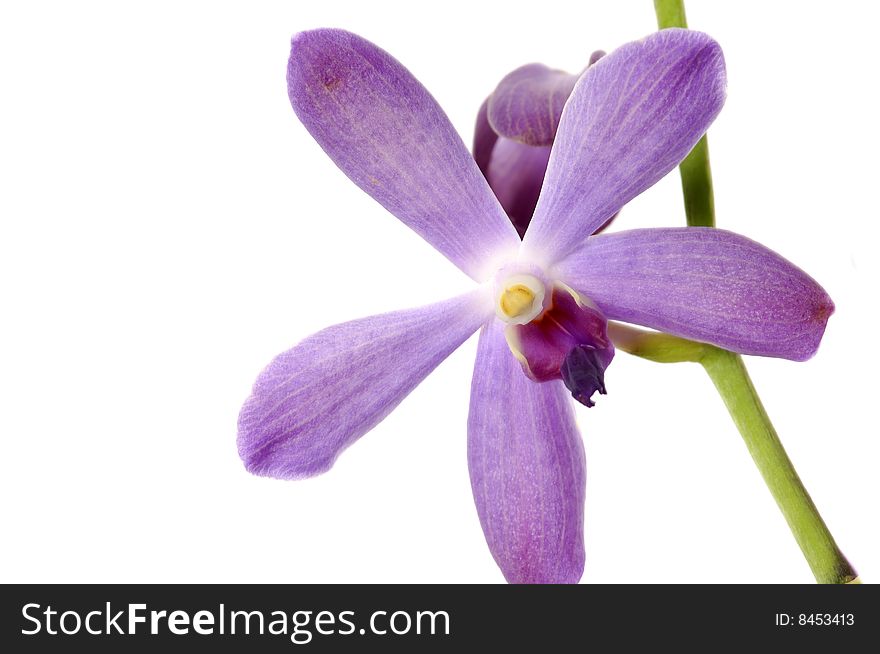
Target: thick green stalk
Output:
[(728, 372), (670, 13), (696, 185)]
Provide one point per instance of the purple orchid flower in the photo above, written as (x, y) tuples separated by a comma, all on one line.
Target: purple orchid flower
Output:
[(542, 302), (514, 132)]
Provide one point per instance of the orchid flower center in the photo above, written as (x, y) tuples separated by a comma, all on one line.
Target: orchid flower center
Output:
[(553, 331), (520, 299)]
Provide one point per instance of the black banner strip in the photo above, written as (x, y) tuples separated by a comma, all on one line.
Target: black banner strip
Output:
[(277, 618)]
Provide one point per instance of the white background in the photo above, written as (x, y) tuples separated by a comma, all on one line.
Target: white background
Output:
[(168, 227)]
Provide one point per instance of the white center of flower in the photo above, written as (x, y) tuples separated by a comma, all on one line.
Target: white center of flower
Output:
[(519, 298)]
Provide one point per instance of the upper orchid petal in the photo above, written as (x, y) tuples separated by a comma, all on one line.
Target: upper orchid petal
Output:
[(316, 399), (390, 137), (705, 284), (527, 468), (527, 103), (632, 117)]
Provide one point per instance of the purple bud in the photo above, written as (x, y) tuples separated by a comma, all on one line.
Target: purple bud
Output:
[(596, 56)]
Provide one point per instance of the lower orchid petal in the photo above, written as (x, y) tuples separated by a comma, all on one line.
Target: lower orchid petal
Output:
[(527, 468), (516, 173), (705, 284), (316, 399)]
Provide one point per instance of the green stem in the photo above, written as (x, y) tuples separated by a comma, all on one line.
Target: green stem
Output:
[(655, 346), (728, 372), (696, 185), (670, 13)]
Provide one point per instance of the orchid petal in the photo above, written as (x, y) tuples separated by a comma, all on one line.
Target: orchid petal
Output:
[(316, 399), (528, 102), (390, 137), (484, 139), (705, 284), (527, 468), (632, 117), (516, 173)]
